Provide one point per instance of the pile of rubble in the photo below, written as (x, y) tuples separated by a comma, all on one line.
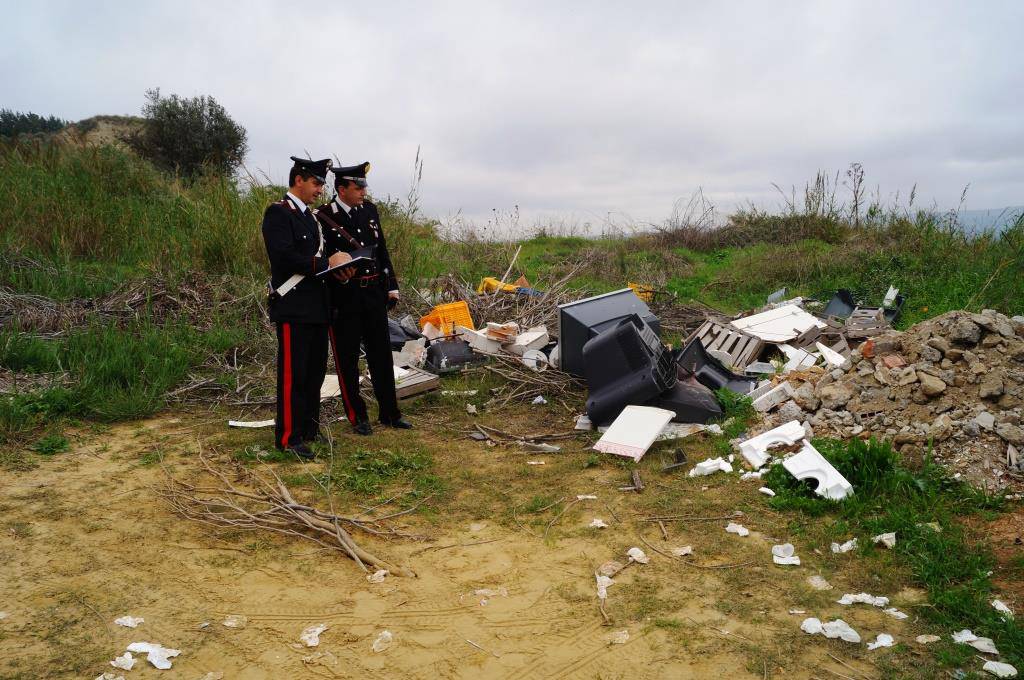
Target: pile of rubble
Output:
[(955, 382)]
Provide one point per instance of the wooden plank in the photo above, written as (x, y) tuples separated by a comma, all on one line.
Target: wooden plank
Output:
[(417, 382)]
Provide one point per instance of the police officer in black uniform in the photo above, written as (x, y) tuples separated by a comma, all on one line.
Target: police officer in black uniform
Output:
[(297, 304), (360, 304)]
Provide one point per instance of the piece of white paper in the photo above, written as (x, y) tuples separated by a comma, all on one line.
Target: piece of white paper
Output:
[(737, 529), (637, 555), (883, 640), (129, 622), (863, 598), (710, 466), (597, 523), (125, 662), (156, 654)]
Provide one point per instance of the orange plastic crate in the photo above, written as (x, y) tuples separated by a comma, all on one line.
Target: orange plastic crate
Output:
[(445, 317)]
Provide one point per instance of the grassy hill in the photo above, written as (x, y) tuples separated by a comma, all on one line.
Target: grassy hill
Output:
[(83, 226)]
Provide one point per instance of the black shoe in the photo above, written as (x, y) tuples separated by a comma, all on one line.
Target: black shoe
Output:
[(363, 428), (302, 451), (397, 423)]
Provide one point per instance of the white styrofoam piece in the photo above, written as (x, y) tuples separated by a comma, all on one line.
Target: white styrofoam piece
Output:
[(478, 340), (831, 357), (533, 338), (778, 325), (724, 357), (710, 466), (759, 368), (774, 397), (755, 449), (763, 388), (680, 430), (634, 431), (809, 464)]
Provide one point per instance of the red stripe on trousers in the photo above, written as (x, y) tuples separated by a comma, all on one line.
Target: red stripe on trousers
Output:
[(286, 331), (341, 379)]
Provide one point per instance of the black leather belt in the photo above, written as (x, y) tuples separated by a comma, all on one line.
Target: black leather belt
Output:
[(365, 281)]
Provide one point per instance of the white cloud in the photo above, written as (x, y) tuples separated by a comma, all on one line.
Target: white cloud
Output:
[(573, 111)]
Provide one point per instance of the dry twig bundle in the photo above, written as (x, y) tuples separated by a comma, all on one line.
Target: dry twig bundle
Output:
[(268, 505)]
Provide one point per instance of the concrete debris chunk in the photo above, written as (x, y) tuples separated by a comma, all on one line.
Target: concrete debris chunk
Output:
[(809, 464), (311, 636), (737, 529), (784, 555), (863, 598), (999, 669), (845, 547), (882, 640), (156, 654), (710, 466), (775, 397), (887, 540), (755, 449)]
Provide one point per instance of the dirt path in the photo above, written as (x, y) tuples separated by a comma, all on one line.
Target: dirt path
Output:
[(86, 540)]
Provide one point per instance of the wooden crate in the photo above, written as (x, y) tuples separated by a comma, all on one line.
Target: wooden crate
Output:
[(741, 347)]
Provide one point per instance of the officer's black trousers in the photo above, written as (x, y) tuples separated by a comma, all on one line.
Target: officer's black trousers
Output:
[(301, 365), (361, 316)]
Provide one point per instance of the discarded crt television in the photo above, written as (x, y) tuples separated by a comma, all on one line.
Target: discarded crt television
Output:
[(582, 320), (625, 364), (690, 401), (449, 356), (693, 360), (842, 305)]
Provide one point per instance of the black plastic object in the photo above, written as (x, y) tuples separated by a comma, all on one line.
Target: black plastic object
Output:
[(582, 320), (841, 305), (893, 312), (626, 364), (399, 334), (448, 356), (690, 401), (693, 360)]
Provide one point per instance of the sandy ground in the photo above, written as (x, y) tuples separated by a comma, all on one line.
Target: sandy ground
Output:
[(85, 539)]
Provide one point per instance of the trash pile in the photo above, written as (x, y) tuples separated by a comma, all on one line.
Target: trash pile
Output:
[(954, 382)]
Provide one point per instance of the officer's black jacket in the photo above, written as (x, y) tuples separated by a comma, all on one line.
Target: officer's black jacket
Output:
[(292, 239), (362, 224)]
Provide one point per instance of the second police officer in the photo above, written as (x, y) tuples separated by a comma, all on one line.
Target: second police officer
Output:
[(359, 306)]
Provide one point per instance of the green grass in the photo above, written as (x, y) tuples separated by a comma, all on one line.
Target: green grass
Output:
[(950, 564), (370, 473), (51, 444)]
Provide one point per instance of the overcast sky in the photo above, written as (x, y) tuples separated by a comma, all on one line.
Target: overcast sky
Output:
[(574, 112)]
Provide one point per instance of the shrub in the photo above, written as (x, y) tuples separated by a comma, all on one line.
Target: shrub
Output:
[(14, 123), (189, 135)]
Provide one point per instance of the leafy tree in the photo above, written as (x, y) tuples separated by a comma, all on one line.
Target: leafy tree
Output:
[(13, 123), (189, 135)]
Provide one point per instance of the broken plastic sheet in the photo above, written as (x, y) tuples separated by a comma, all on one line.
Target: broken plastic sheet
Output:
[(129, 621), (832, 629), (779, 325), (637, 555), (982, 644), (863, 598), (882, 640), (737, 529), (999, 669), (844, 547), (887, 540), (383, 641), (634, 431)]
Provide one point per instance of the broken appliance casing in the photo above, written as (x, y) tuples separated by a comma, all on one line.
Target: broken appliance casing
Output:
[(690, 401), (693, 360), (582, 320), (810, 464), (626, 364)]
